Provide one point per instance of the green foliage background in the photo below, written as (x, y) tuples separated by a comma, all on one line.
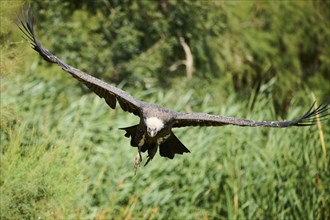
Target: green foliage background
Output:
[(62, 155)]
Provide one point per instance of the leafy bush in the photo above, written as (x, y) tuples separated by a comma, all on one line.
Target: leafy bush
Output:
[(243, 44)]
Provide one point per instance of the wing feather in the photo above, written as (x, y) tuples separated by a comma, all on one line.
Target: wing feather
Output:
[(110, 93), (202, 119)]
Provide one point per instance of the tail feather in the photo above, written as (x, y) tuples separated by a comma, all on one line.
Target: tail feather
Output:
[(171, 147)]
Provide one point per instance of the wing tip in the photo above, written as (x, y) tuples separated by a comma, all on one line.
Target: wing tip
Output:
[(26, 26), (311, 117)]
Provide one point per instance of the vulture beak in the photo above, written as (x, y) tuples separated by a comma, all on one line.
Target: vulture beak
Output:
[(152, 132)]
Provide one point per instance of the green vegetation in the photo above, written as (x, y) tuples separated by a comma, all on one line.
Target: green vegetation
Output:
[(62, 155)]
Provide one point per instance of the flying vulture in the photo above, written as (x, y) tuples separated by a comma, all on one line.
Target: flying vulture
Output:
[(156, 122)]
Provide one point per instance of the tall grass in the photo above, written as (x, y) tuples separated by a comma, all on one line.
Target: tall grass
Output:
[(37, 181)]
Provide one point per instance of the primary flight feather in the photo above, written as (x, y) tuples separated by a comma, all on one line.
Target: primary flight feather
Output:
[(156, 122)]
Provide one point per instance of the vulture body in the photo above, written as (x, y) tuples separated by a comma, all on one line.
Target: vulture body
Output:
[(156, 122)]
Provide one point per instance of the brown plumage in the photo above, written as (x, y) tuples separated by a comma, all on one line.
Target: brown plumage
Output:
[(156, 122)]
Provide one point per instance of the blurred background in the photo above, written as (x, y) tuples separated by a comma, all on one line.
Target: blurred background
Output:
[(62, 155)]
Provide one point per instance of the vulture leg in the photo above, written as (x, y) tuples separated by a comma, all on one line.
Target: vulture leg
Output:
[(131, 132), (137, 161)]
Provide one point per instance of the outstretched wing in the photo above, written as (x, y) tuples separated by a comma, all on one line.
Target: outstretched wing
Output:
[(102, 89), (202, 119)]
